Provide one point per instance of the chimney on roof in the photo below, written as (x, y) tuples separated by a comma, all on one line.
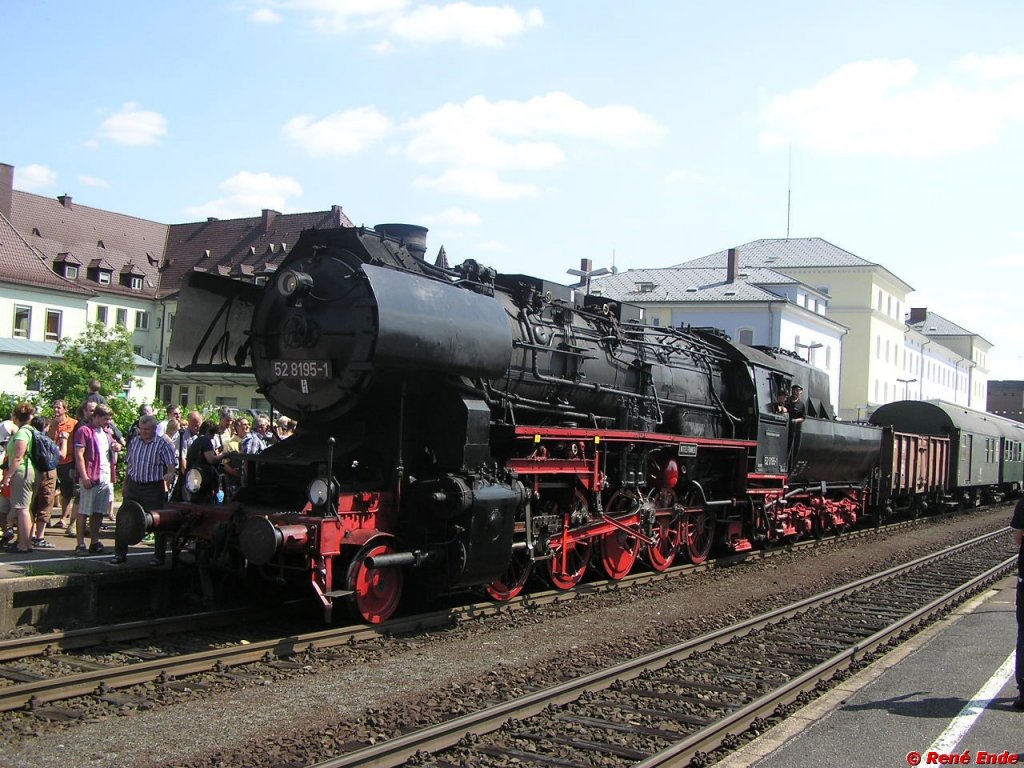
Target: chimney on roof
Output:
[(268, 218), (6, 190), (732, 266), (918, 315), (65, 200), (336, 215), (211, 218)]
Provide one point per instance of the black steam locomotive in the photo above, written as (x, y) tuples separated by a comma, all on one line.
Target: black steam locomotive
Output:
[(463, 429)]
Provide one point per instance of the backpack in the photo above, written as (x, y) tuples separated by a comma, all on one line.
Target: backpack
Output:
[(45, 452)]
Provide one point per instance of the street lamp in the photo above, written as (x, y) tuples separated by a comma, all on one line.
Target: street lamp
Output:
[(906, 383), (808, 347)]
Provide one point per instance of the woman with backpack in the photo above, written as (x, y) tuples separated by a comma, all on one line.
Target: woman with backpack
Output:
[(46, 489), (20, 476)]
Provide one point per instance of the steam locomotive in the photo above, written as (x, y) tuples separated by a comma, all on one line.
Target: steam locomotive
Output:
[(461, 429)]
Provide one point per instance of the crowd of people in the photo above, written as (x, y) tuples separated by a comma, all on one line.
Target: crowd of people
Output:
[(157, 456)]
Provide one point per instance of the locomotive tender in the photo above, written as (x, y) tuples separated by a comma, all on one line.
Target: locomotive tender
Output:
[(463, 429)]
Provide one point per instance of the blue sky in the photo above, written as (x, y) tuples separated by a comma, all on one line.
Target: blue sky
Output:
[(529, 135)]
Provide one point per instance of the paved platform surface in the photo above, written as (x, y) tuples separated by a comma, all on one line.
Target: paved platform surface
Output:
[(948, 690), (62, 558)]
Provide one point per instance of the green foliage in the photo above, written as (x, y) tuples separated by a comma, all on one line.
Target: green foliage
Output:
[(99, 353)]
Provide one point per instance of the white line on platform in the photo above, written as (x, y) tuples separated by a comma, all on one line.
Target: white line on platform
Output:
[(962, 723)]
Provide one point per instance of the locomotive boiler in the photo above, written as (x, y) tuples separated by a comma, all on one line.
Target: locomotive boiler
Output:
[(464, 429)]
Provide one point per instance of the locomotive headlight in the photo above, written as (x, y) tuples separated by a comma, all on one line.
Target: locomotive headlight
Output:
[(194, 480), (292, 281), (319, 492)]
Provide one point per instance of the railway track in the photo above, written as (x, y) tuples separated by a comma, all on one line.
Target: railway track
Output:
[(676, 705), (42, 670)]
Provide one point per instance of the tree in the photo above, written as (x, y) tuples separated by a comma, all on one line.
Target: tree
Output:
[(99, 353)]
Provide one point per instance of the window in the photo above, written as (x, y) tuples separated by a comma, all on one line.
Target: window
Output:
[(122, 317), (52, 325), (879, 301), (878, 347), (22, 321), (170, 323), (103, 277), (101, 314), (200, 393), (229, 401), (183, 395), (259, 404), (137, 349), (165, 393), (141, 320), (655, 321), (71, 271), (136, 283), (828, 358), (746, 336)]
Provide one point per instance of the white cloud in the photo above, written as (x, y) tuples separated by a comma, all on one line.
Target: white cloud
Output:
[(474, 25), (247, 194), (882, 107), (34, 178), (452, 217), (134, 127), (343, 133), (478, 182), (265, 16), (462, 22), (996, 67), (93, 181), (474, 145), (478, 138)]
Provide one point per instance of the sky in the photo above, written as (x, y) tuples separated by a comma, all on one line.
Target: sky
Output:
[(530, 135)]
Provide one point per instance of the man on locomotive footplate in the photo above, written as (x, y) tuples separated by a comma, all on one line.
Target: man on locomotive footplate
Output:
[(781, 404), (1017, 524), (797, 413)]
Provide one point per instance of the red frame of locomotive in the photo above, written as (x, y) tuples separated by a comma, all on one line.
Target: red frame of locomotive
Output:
[(337, 552)]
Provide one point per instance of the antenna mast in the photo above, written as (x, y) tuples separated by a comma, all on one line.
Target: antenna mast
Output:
[(789, 189)]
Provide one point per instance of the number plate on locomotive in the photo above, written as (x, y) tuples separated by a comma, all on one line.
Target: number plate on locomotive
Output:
[(301, 369)]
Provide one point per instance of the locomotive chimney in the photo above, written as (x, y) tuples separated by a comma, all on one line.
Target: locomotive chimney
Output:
[(413, 237), (732, 266)]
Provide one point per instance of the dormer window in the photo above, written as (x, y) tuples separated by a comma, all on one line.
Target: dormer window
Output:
[(71, 271), (131, 277), (100, 271), (645, 287)]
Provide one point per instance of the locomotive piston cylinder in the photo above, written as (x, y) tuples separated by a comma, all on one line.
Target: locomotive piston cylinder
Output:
[(260, 540), (398, 560)]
